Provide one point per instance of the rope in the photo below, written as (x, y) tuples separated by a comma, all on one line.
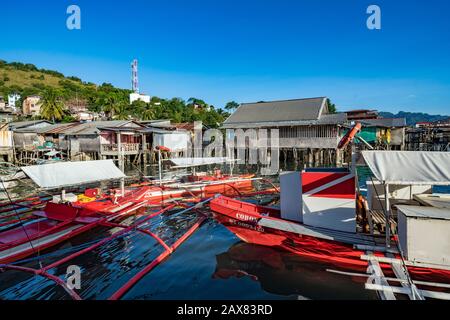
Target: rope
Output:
[(22, 224)]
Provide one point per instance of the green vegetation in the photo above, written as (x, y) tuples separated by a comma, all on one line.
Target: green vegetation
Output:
[(331, 106), (58, 91), (52, 107), (231, 106)]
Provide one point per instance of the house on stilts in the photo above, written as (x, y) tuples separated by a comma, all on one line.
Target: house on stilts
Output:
[(308, 131)]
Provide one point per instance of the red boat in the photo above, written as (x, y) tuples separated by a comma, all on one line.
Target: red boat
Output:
[(60, 220), (317, 219)]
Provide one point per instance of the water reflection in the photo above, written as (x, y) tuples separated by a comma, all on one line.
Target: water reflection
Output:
[(192, 272), (104, 269), (287, 274)]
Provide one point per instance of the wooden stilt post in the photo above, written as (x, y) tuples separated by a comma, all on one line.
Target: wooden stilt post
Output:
[(144, 148), (388, 215), (160, 166), (119, 149)]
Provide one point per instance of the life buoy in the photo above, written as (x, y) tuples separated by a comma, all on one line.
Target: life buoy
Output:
[(349, 136)]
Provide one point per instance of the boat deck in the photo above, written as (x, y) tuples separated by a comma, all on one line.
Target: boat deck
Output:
[(377, 222)]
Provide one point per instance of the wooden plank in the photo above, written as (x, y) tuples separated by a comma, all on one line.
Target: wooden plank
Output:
[(376, 248), (365, 275), (407, 262), (379, 220), (401, 273), (401, 290), (434, 200), (321, 233), (377, 277)]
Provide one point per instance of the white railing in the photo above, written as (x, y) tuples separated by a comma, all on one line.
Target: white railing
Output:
[(114, 148)]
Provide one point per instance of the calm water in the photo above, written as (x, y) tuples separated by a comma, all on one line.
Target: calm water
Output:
[(211, 264)]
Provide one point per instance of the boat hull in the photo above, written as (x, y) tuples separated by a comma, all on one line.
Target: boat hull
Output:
[(60, 222), (262, 226)]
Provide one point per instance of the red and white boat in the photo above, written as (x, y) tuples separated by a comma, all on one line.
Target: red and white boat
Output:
[(317, 218), (69, 215)]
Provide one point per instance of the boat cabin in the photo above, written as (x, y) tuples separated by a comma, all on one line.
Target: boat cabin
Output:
[(328, 198), (422, 219)]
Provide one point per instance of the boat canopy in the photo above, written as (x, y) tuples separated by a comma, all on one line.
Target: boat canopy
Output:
[(196, 162), (62, 174), (409, 167)]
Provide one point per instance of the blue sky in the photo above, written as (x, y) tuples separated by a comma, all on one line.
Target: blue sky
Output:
[(246, 50)]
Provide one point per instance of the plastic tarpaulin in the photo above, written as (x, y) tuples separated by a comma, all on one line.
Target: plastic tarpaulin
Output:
[(61, 174), (409, 167), (176, 141)]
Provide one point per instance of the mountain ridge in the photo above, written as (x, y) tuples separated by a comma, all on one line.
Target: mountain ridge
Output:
[(413, 118)]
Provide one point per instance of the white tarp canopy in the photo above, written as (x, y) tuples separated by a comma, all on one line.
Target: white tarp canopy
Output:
[(62, 174), (409, 167), (196, 162), (175, 141)]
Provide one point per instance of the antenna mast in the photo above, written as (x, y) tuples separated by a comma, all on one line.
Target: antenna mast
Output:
[(134, 76)]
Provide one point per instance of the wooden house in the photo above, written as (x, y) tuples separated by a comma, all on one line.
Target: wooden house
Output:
[(306, 127)]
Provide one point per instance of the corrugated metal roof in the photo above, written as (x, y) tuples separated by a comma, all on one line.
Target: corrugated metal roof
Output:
[(91, 128), (184, 126), (337, 118), (23, 124), (78, 128), (287, 110), (385, 122), (55, 128)]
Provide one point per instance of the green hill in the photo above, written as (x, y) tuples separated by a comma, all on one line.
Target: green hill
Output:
[(27, 79), (28, 76)]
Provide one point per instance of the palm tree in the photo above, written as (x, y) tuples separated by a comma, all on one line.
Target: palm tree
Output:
[(121, 112), (149, 113), (231, 106), (52, 107), (111, 105), (193, 102)]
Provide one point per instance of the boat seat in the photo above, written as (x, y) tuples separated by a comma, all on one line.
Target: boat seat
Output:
[(60, 212), (25, 232)]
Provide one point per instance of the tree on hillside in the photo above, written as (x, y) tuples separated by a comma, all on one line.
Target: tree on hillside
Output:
[(52, 107), (121, 112), (138, 107), (231, 106), (192, 102), (93, 104), (111, 106), (223, 113), (331, 106), (149, 113)]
